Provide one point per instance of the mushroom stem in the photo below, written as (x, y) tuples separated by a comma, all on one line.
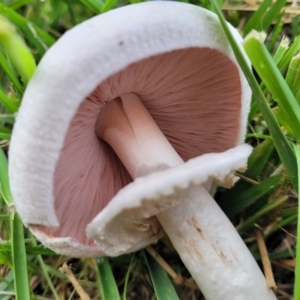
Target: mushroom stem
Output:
[(212, 249), (126, 125), (205, 239)]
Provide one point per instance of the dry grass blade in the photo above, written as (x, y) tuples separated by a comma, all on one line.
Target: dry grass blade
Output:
[(293, 11), (67, 271), (290, 9), (177, 278), (289, 262), (265, 260)]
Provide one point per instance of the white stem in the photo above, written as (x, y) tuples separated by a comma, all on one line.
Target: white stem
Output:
[(126, 125), (205, 239), (212, 250)]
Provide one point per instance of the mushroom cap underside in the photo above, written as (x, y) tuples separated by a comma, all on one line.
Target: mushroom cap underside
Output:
[(111, 54)]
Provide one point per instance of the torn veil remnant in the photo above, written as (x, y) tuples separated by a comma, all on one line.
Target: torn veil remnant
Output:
[(161, 102)]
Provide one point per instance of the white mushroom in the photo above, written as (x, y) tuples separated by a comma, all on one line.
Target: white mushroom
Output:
[(159, 82)]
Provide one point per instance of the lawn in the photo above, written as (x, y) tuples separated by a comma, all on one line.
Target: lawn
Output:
[(262, 205)]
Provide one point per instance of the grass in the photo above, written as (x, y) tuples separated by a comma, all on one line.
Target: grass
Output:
[(265, 197)]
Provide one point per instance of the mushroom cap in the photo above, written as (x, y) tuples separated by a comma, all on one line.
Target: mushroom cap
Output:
[(49, 176)]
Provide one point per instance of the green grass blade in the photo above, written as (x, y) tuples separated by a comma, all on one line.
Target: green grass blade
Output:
[(297, 269), (6, 286), (249, 223), (255, 21), (219, 3), (162, 284), (282, 255), (71, 12), (16, 4), (287, 212), (293, 49), (276, 255), (282, 119), (5, 136), (93, 5), (10, 72), (257, 162), (16, 49), (281, 143), (258, 136), (5, 259), (36, 35), (45, 272), (4, 180), (272, 14), (278, 226), (281, 50), (249, 196), (276, 31), (6, 118), (9, 104), (38, 250), (285, 222), (295, 26), (108, 5), (259, 158), (19, 258), (127, 276), (293, 77), (108, 286), (5, 129), (272, 78)]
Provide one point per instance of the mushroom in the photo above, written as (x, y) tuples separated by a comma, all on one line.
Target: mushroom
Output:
[(130, 120)]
